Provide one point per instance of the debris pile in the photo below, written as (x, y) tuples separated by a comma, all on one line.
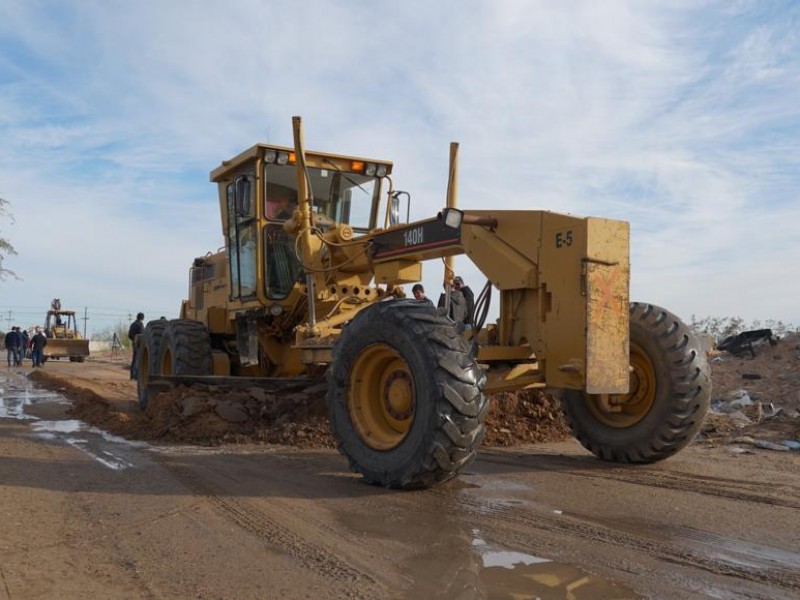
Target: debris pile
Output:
[(756, 392)]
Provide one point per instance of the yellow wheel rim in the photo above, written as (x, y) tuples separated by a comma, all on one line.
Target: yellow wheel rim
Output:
[(166, 362), (381, 397), (626, 410)]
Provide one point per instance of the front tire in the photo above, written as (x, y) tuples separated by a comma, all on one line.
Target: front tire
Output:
[(668, 398), (404, 396)]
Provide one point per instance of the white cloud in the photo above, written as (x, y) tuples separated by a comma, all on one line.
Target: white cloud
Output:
[(681, 118)]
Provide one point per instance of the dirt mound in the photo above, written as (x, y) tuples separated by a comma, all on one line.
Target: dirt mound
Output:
[(211, 416), (524, 417)]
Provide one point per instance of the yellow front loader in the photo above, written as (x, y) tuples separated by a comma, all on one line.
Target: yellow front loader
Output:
[(64, 340), (309, 285)]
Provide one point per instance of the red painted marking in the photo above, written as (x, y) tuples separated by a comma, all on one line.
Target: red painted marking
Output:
[(606, 286)]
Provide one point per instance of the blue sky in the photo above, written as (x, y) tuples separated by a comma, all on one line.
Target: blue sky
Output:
[(680, 117)]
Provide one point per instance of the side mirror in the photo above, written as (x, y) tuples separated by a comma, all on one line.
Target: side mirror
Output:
[(242, 197), (452, 217), (394, 211), (394, 216)]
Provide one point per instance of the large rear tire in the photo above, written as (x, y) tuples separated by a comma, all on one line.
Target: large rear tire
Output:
[(147, 354), (185, 349), (668, 398), (404, 396)]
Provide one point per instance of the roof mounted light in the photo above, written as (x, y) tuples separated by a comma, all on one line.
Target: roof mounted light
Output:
[(370, 169), (270, 156), (381, 171), (283, 158)]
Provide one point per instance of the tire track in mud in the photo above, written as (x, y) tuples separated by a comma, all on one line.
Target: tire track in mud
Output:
[(521, 522), (783, 495), (5, 583), (269, 528)]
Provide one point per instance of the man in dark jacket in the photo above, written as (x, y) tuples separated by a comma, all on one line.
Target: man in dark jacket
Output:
[(26, 343), (469, 298), (458, 307), (136, 328), (38, 342), (11, 346), (20, 349)]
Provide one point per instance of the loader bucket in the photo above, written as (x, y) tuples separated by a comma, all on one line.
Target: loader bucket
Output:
[(75, 350)]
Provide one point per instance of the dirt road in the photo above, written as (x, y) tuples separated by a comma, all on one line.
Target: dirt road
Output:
[(86, 514)]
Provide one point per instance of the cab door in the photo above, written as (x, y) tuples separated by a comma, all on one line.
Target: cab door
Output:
[(242, 237)]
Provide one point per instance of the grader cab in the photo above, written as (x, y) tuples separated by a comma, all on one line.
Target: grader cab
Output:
[(309, 284)]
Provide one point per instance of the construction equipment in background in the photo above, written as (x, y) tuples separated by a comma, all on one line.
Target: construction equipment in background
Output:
[(309, 284), (63, 338)]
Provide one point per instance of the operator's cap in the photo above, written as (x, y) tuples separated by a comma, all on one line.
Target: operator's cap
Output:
[(457, 279)]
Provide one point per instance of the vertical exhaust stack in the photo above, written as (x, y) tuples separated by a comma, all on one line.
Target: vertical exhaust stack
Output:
[(452, 201), (304, 206)]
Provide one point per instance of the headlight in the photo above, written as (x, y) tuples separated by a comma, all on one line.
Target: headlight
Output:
[(452, 217), (270, 156), (370, 169), (275, 310), (283, 158), (381, 171)]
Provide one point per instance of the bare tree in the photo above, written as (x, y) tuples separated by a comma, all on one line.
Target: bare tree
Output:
[(6, 249)]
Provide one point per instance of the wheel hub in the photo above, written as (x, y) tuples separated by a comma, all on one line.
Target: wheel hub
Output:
[(398, 399), (626, 410), (381, 397)]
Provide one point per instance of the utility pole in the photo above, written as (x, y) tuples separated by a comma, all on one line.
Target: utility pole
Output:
[(85, 318), (9, 319)]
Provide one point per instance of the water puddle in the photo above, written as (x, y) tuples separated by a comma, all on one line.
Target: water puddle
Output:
[(21, 400), (19, 396), (508, 574), (445, 556)]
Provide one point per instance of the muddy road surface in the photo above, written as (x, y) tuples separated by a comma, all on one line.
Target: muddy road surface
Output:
[(86, 513)]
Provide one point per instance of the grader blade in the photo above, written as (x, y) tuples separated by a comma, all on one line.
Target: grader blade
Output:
[(165, 383)]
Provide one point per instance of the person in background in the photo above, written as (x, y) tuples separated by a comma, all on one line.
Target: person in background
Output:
[(458, 307), (38, 342), (469, 298), (26, 344), (419, 293), (136, 328), (20, 349), (11, 346)]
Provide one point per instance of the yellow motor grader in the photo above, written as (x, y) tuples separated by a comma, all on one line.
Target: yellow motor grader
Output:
[(309, 283)]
